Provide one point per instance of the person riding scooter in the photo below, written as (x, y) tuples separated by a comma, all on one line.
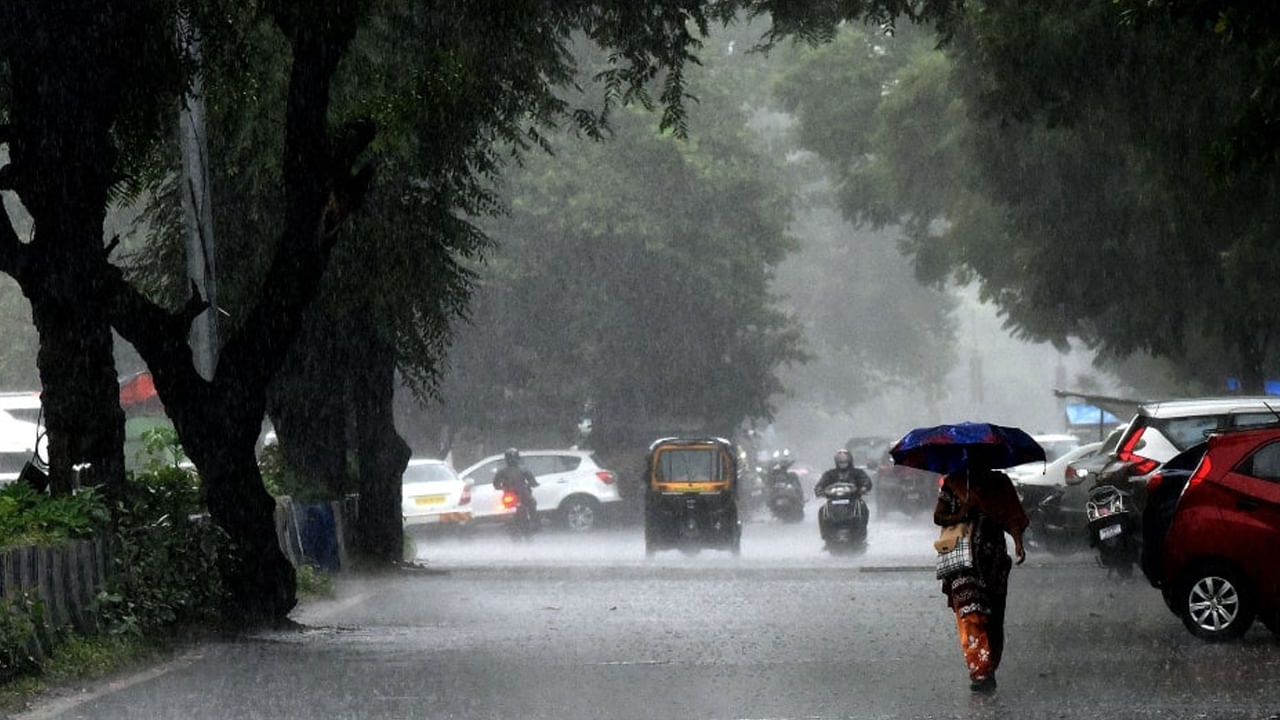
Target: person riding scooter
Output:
[(520, 481), (843, 472)]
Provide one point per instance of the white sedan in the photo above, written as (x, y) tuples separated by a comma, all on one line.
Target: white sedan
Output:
[(432, 493)]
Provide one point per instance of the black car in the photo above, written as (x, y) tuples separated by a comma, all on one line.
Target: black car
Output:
[(1164, 487)]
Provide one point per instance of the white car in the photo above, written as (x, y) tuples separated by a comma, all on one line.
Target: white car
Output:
[(431, 493), (18, 442), (571, 487), (1055, 446), (1054, 473)]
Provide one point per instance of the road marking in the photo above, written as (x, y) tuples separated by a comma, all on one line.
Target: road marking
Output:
[(60, 705)]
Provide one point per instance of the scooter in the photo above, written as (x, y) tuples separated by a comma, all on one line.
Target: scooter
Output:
[(1114, 528), (843, 519), (524, 522), (1056, 523), (785, 497)]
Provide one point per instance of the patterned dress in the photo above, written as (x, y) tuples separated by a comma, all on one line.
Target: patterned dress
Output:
[(987, 500)]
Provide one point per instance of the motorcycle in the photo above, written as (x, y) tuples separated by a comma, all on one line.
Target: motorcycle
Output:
[(784, 496), (843, 519), (1057, 522), (524, 522), (1114, 528)]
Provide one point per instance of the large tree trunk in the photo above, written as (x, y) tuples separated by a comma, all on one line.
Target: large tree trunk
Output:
[(382, 455), (62, 161), (308, 405), (218, 420), (220, 440)]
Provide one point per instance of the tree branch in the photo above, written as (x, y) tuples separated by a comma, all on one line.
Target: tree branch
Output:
[(159, 335)]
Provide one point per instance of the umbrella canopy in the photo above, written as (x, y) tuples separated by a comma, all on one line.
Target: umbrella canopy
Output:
[(948, 448)]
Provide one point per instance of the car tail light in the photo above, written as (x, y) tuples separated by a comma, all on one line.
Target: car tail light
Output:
[(1141, 465), (1202, 472), (466, 495), (509, 499), (1154, 481), (605, 476)]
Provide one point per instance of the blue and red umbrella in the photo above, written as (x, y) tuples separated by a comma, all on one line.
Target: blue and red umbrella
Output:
[(948, 448)]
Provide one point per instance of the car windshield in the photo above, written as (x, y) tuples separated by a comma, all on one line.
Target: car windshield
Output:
[(690, 465), (426, 473)]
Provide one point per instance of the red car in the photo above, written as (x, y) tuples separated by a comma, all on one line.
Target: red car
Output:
[(1220, 567)]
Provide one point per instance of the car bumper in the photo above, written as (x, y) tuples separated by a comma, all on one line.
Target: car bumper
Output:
[(445, 518)]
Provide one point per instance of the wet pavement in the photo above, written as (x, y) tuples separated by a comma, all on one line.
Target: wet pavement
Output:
[(570, 626)]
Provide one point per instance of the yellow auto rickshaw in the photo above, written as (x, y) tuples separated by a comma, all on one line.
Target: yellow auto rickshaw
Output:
[(690, 496)]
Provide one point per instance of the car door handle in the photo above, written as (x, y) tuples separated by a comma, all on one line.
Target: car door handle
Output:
[(1245, 504)]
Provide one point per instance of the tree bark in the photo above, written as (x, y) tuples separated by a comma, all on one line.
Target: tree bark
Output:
[(62, 160), (308, 404), (381, 455)]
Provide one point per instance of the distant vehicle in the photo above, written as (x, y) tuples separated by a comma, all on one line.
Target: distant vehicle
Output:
[(903, 489), (23, 406), (431, 493), (572, 488), (1219, 572), (19, 442)]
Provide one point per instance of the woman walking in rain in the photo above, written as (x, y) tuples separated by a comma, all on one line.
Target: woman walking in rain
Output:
[(987, 501)]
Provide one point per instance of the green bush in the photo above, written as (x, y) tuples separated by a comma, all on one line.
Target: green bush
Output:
[(21, 628), (166, 556), (28, 517)]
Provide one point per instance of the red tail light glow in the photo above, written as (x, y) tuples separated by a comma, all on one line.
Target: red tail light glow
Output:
[(466, 495), (1202, 472), (1141, 465), (1154, 482), (509, 499), (606, 477)]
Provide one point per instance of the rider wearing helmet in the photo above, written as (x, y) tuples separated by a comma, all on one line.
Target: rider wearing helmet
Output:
[(518, 480), (843, 472)]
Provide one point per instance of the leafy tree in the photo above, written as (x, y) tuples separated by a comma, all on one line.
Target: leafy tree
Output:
[(1076, 185)]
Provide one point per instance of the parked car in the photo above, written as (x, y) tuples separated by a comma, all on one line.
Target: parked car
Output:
[(572, 488), (19, 441), (431, 493), (1055, 502), (1055, 446), (1164, 487), (1160, 430), (1218, 572)]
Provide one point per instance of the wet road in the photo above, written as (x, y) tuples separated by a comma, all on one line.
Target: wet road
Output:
[(585, 627)]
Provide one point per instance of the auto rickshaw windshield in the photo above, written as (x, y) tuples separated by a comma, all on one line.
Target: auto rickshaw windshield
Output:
[(690, 465)]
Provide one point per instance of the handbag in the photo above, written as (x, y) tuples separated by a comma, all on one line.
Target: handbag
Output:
[(955, 545), (955, 550)]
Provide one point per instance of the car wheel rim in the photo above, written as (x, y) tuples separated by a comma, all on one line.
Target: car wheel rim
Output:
[(580, 516), (1213, 603)]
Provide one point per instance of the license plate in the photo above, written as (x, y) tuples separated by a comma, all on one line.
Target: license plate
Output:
[(1110, 531), (839, 502), (429, 500)]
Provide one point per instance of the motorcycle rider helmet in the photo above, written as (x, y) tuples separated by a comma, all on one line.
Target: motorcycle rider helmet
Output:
[(843, 459), (512, 456)]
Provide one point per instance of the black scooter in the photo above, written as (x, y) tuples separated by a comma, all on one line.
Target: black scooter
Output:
[(524, 522), (843, 519), (1114, 528), (784, 496)]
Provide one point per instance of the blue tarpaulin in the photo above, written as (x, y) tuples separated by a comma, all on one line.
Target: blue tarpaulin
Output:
[(1082, 414)]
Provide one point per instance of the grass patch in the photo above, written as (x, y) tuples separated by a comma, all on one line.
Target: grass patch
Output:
[(77, 659)]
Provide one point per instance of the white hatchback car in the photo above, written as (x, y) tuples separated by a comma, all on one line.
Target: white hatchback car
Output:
[(571, 487), (432, 493)]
